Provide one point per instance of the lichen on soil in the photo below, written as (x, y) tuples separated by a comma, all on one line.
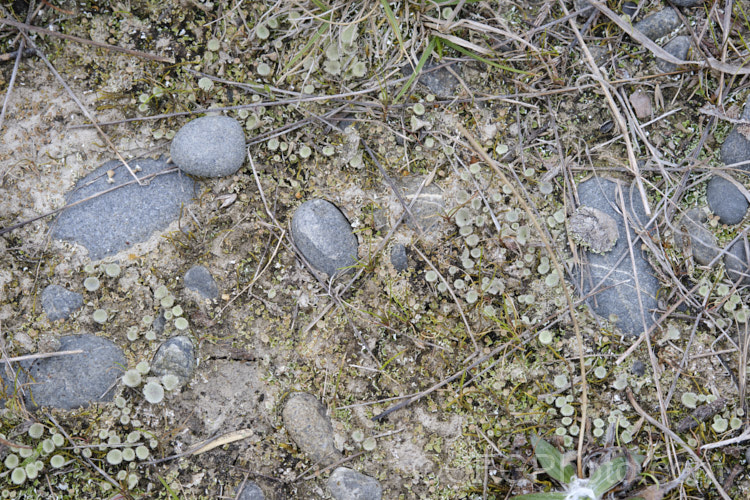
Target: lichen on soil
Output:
[(362, 346)]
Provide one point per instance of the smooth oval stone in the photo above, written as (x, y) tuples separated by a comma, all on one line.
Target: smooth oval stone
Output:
[(737, 263), (308, 425), (60, 303), (692, 235), (348, 484), (211, 146), (75, 380), (679, 48), (726, 201), (324, 236)]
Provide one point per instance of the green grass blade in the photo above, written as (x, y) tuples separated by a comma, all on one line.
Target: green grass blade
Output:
[(422, 60), (479, 58), (552, 461), (391, 17)]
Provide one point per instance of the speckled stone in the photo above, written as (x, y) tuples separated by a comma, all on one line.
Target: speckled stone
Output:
[(737, 263), (348, 484), (198, 279), (75, 380), (679, 48), (323, 235), (659, 24), (691, 234), (176, 356), (210, 146), (310, 428), (59, 303), (726, 201), (114, 221), (617, 296)]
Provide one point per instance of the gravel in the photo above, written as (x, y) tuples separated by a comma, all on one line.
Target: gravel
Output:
[(120, 218), (617, 295), (310, 428), (59, 303), (348, 484), (726, 201), (211, 146), (75, 380), (324, 236)]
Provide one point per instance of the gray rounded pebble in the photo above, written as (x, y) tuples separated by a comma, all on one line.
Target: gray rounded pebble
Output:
[(251, 491), (737, 263), (679, 48), (323, 235), (75, 380), (114, 221), (198, 279), (736, 146), (59, 303), (613, 285), (210, 146), (348, 484), (659, 23), (691, 234), (398, 257), (159, 323), (440, 81), (639, 368), (726, 201), (176, 356), (310, 428)]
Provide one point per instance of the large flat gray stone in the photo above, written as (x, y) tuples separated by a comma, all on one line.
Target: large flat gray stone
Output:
[(616, 297), (120, 218)]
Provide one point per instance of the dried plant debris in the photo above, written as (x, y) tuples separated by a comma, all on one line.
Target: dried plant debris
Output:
[(593, 229)]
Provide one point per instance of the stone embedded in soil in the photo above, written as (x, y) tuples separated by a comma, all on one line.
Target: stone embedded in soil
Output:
[(659, 24), (726, 201), (692, 235), (114, 221), (324, 236), (348, 484), (438, 78), (428, 206), (251, 491), (176, 356), (399, 258), (75, 380), (737, 263), (310, 428), (617, 294), (59, 303), (678, 47), (688, 3), (198, 279), (210, 146)]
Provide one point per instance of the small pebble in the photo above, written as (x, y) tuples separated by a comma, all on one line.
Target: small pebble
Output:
[(688, 3), (324, 236), (198, 279), (348, 484), (210, 146), (638, 368), (59, 303), (441, 81), (691, 234), (398, 257), (726, 201), (310, 428), (659, 24), (736, 146), (737, 263), (176, 356), (251, 491), (679, 48)]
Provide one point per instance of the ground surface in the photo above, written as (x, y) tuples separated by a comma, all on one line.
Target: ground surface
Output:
[(526, 93)]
